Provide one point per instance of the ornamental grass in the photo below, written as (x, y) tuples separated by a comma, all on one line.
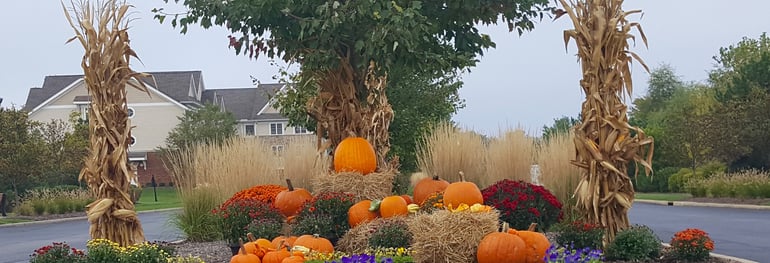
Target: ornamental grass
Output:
[(556, 172), (509, 156), (447, 150)]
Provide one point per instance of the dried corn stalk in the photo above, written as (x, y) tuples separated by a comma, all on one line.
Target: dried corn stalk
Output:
[(101, 29), (604, 143), (340, 112)]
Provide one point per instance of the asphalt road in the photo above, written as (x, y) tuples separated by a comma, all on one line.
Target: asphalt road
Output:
[(18, 242), (743, 233)]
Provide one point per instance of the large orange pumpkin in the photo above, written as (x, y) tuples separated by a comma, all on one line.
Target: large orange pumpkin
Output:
[(426, 187), (355, 154), (536, 243), (462, 192), (290, 201), (243, 257), (393, 206), (315, 243), (500, 247), (359, 213)]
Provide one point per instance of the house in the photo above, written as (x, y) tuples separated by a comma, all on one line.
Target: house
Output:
[(153, 116)]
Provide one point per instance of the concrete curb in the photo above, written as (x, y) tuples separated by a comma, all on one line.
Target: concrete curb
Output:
[(687, 203), (59, 220), (723, 256)]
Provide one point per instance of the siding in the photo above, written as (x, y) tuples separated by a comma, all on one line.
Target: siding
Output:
[(153, 122)]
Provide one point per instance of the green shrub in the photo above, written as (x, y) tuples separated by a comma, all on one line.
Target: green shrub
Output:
[(196, 220), (40, 206), (579, 234), (267, 228), (635, 243), (391, 235), (697, 188), (55, 200), (677, 180), (657, 183), (320, 224)]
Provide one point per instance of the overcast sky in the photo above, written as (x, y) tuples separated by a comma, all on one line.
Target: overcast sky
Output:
[(526, 81)]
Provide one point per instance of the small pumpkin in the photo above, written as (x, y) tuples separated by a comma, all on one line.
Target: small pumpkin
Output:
[(355, 154), (277, 255), (260, 246), (296, 257), (290, 201), (393, 206), (462, 192), (408, 199), (536, 243), (243, 257), (426, 187), (288, 241), (501, 247), (359, 213), (315, 243)]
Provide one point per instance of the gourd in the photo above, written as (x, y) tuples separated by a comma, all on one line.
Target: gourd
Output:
[(536, 243), (500, 247), (243, 257), (359, 213), (315, 243), (427, 186), (355, 154), (462, 192), (290, 201)]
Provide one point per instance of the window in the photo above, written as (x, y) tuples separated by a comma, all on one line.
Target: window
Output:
[(83, 108), (300, 130), (276, 128), (132, 141), (249, 129), (131, 112), (277, 149)]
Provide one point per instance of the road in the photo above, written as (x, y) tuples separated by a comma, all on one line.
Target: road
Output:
[(18, 242), (743, 233)]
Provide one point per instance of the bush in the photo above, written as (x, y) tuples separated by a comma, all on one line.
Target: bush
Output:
[(636, 243), (579, 234), (55, 200), (57, 253), (326, 213), (521, 203), (692, 245), (235, 216), (657, 183), (392, 235), (744, 184), (196, 220)]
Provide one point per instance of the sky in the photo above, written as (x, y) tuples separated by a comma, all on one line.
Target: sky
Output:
[(526, 81)]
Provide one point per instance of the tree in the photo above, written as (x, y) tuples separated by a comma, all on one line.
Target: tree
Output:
[(67, 148), (560, 126), (207, 124), (21, 151), (661, 86), (347, 48)]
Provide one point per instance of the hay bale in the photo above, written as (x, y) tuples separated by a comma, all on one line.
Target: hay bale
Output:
[(371, 186), (443, 236), (356, 240)]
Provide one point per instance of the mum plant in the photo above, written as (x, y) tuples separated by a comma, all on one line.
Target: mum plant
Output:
[(326, 215), (521, 203), (57, 253), (692, 244), (236, 215)]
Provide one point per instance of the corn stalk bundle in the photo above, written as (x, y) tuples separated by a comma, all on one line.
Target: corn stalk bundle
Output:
[(102, 31), (603, 140), (340, 113)]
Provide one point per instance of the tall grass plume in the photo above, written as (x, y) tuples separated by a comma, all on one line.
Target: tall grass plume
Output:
[(557, 174), (446, 150), (509, 156)]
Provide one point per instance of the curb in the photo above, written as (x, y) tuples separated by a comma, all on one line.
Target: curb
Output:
[(59, 220), (723, 256), (699, 204)]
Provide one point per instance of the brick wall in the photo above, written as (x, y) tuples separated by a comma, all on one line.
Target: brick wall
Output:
[(154, 167)]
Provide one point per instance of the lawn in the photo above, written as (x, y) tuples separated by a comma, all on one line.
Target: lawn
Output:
[(663, 196), (12, 220), (168, 197)]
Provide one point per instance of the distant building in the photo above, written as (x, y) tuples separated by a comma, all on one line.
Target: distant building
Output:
[(154, 116)]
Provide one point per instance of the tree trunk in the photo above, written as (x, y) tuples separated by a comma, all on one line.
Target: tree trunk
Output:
[(342, 110)]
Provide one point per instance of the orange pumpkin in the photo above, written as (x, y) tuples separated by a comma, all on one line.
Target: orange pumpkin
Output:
[(426, 187), (276, 255), (288, 241), (408, 199), (501, 247), (315, 243), (296, 257), (290, 201), (393, 206), (536, 244), (355, 154), (359, 213), (462, 192), (260, 246), (244, 257)]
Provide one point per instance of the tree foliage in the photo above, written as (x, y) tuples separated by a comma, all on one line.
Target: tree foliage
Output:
[(560, 126), (21, 151), (207, 124)]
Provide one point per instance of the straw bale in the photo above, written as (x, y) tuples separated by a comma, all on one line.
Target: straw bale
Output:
[(364, 187), (356, 240), (445, 236)]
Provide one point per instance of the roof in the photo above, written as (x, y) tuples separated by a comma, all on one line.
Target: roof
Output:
[(175, 84), (245, 103)]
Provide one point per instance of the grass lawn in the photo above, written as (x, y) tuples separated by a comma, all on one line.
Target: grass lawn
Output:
[(167, 198), (663, 196), (12, 220)]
